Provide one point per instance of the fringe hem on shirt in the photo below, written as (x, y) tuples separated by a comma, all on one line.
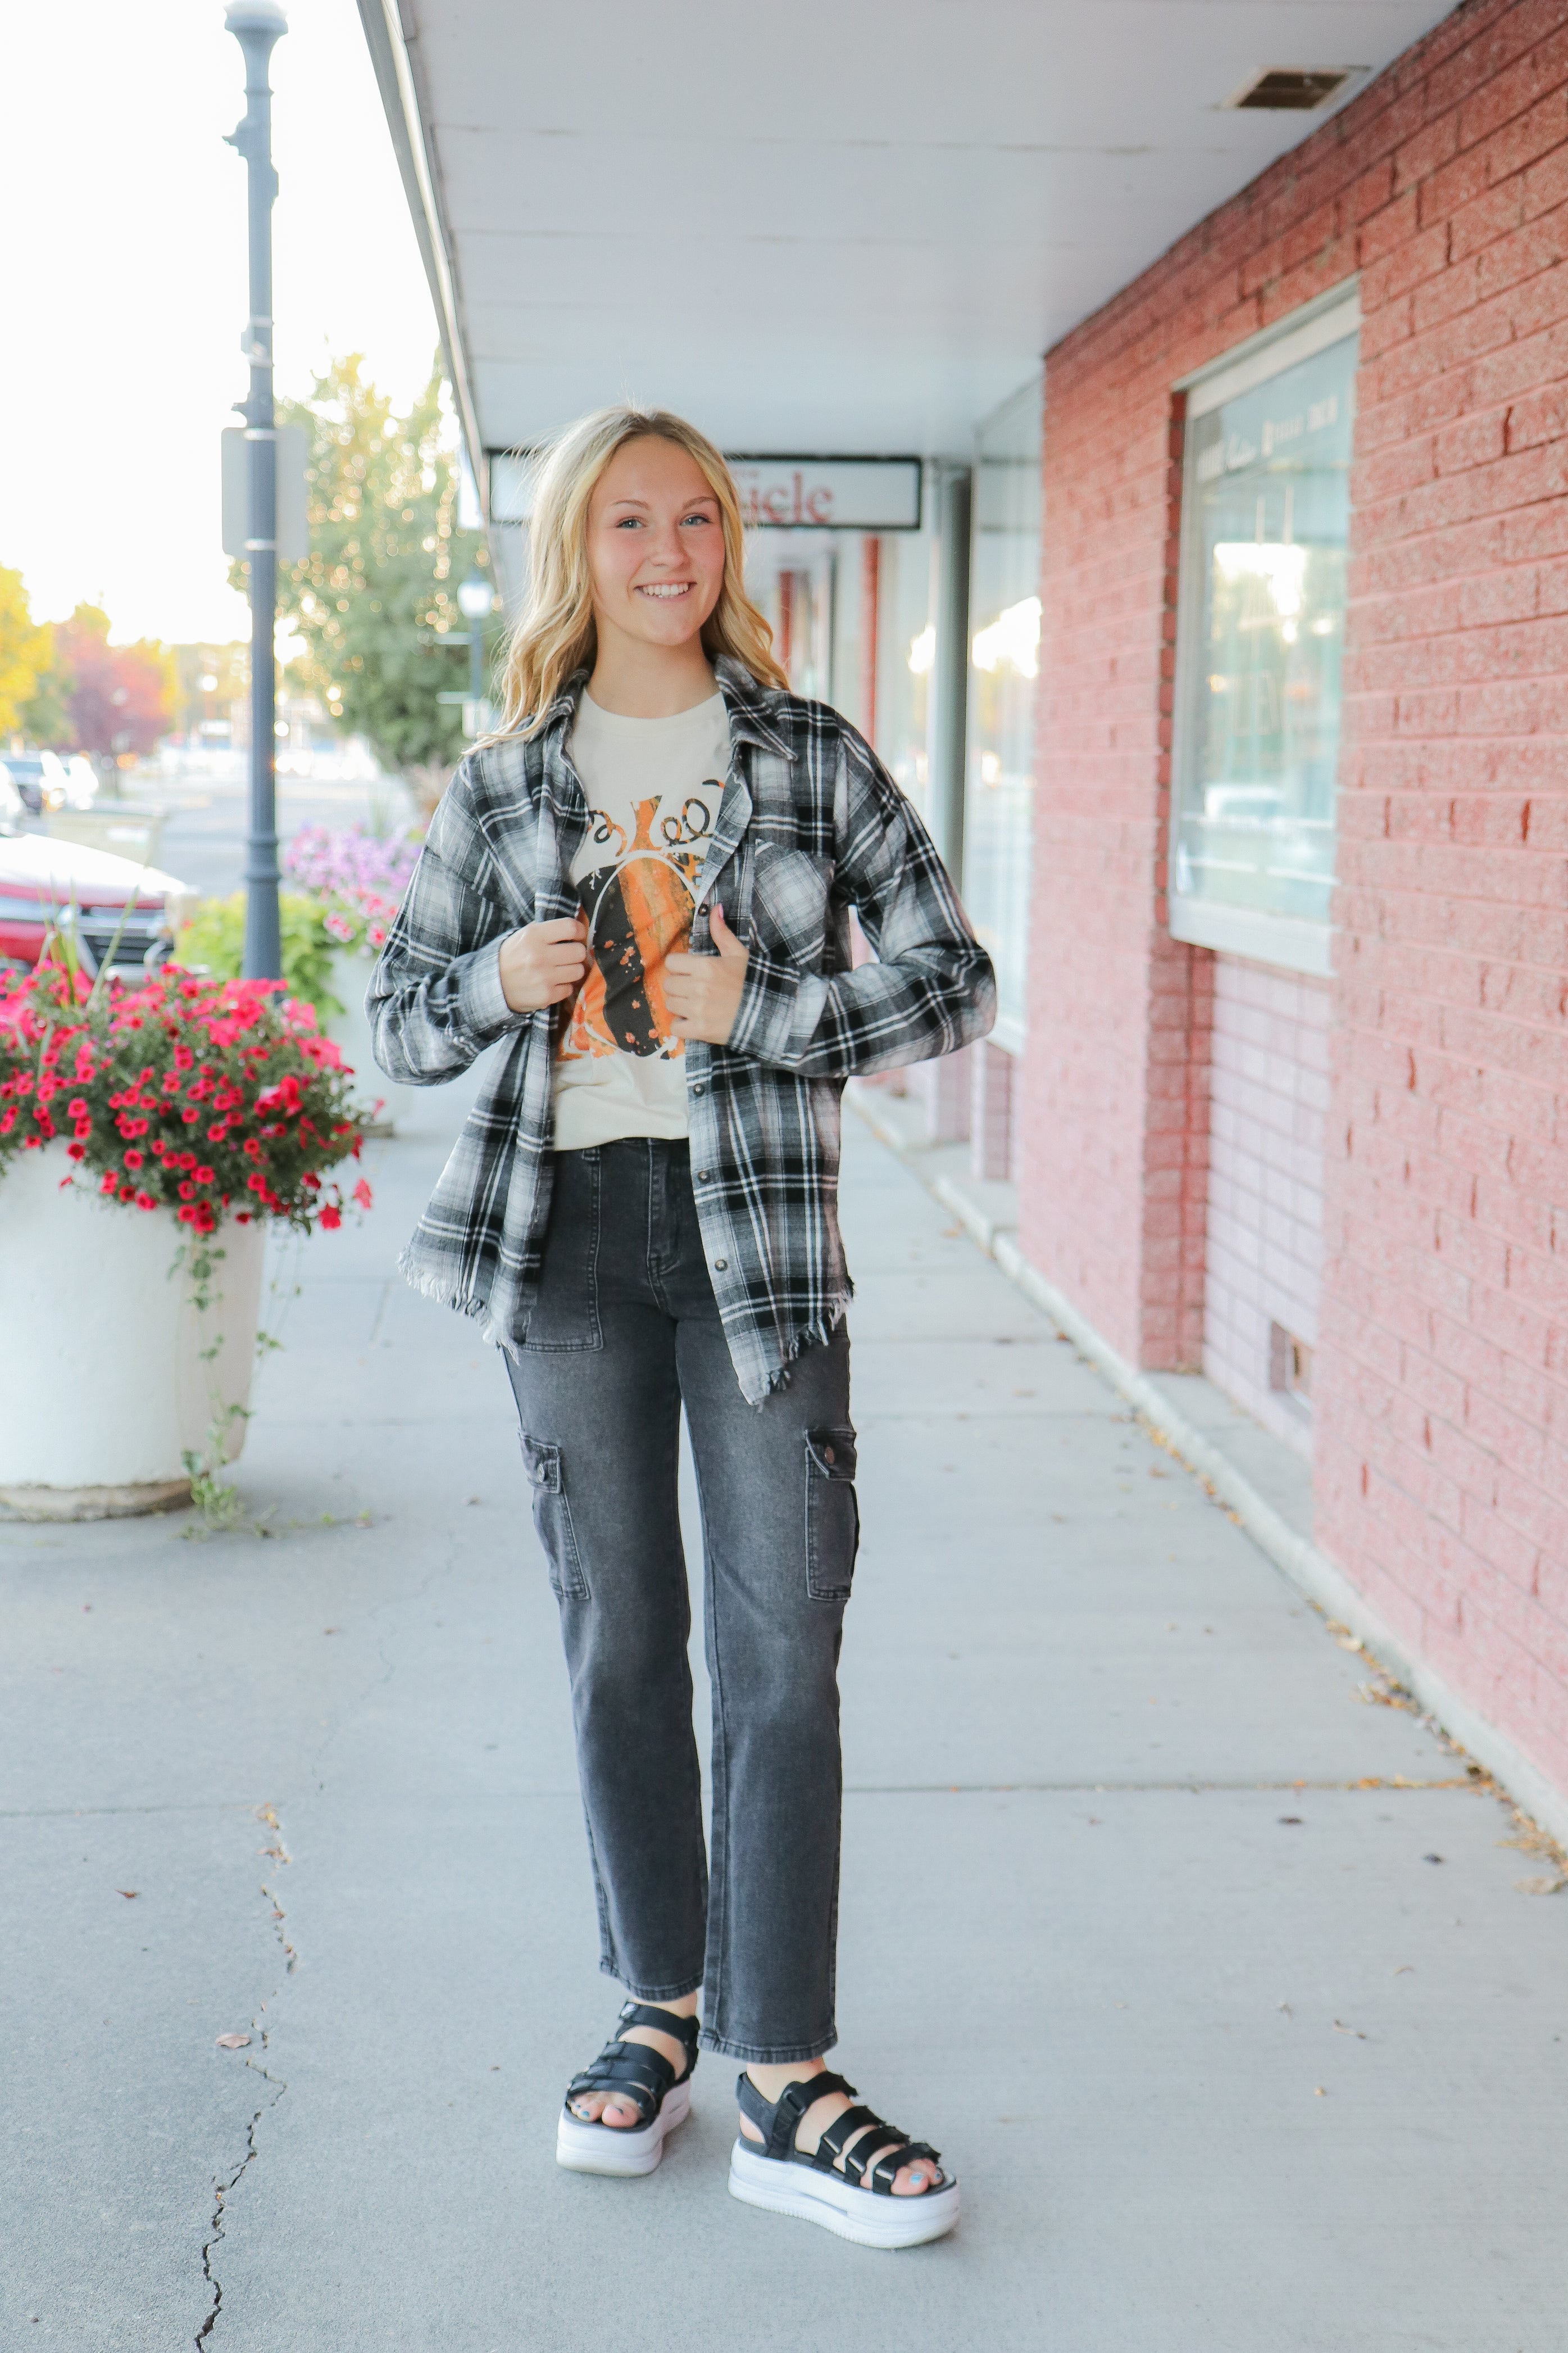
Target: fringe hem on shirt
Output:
[(446, 1294), (816, 1333)]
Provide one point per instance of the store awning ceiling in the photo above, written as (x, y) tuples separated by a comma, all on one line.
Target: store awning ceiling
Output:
[(842, 226)]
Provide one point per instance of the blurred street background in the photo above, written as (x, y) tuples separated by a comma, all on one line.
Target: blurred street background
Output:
[(1150, 426)]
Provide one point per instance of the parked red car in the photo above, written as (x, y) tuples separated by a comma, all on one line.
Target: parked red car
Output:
[(111, 904)]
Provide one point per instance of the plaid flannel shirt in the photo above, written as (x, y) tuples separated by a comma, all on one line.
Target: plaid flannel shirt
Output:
[(810, 825)]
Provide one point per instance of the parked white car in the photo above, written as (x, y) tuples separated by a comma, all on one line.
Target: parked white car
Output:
[(81, 784), (46, 781), (115, 908)]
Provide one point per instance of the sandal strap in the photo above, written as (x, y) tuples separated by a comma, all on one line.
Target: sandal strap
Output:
[(664, 2021), (844, 2128), (879, 2137), (627, 2067), (909, 2152), (779, 2120)]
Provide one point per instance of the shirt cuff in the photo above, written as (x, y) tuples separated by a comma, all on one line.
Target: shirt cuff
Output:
[(485, 1014), (778, 1014)]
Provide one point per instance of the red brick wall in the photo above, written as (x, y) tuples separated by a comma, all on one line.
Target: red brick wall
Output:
[(1443, 1482), (1442, 1379)]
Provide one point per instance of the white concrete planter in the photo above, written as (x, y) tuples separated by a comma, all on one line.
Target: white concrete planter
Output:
[(349, 1029), (102, 1386)]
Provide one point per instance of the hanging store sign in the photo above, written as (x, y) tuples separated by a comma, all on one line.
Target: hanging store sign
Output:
[(776, 493), (828, 493)]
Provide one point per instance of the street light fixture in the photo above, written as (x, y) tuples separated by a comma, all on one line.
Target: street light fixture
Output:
[(258, 26), (476, 600)]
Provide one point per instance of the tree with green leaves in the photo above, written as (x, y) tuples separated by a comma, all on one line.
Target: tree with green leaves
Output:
[(376, 600)]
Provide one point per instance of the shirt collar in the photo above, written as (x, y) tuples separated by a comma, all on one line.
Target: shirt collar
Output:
[(749, 707)]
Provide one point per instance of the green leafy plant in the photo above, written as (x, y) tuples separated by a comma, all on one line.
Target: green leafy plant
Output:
[(214, 941), (376, 600)]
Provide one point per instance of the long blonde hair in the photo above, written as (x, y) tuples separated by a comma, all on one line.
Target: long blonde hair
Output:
[(556, 634)]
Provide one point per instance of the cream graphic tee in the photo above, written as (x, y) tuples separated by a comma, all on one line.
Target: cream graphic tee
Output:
[(652, 788)]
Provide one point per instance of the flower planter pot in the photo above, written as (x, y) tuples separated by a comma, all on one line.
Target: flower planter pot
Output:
[(350, 1030), (102, 1386)]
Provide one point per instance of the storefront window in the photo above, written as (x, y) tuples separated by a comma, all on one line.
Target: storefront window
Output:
[(907, 653), (1004, 641), (792, 575), (1261, 630)]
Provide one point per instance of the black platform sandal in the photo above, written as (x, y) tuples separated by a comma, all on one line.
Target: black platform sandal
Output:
[(634, 2072), (775, 2174)]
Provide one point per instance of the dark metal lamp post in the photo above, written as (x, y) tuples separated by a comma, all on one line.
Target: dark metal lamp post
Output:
[(257, 26)]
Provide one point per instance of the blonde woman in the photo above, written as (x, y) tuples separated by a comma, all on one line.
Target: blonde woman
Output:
[(642, 882)]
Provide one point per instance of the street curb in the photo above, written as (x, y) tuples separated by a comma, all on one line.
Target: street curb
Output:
[(1311, 1571)]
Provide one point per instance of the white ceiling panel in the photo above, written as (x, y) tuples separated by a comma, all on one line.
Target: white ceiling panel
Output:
[(847, 227)]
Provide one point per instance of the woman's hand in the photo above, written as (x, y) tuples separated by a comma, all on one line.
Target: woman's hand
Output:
[(544, 962), (703, 992)]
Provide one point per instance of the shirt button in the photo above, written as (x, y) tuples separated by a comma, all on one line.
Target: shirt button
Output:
[(697, 1088), (703, 1175), (719, 1264)]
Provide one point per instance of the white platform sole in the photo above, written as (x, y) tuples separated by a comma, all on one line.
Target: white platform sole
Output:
[(826, 2198), (601, 2149)]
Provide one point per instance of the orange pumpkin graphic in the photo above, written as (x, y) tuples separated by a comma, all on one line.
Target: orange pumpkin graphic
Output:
[(639, 911)]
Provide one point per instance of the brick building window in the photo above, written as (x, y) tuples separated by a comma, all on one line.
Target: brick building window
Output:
[(1259, 636), (1004, 641)]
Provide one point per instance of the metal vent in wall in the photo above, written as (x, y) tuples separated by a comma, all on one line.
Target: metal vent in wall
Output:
[(1293, 89), (1291, 1366)]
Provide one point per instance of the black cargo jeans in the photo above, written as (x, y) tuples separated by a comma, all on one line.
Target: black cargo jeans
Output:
[(626, 1331)]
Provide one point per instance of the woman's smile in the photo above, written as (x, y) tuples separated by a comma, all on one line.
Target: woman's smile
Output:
[(665, 588)]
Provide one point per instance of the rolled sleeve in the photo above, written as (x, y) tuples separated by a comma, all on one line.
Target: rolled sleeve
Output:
[(932, 988), (482, 999), (436, 1000), (779, 1010)]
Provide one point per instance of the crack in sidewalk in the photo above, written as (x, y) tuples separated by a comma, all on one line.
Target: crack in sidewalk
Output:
[(224, 2187), (278, 1853)]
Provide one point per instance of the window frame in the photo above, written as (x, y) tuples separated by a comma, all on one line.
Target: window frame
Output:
[(1292, 943), (1009, 1031)]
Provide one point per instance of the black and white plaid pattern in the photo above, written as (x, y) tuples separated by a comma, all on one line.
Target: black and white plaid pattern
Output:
[(810, 825)]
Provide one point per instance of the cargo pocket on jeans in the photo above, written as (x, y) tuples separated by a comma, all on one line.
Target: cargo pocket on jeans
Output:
[(553, 1518), (832, 1513)]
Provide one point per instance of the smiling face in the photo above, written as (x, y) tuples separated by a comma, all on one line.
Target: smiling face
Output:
[(656, 545)]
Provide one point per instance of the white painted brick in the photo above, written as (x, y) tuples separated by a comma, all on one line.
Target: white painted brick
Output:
[(1269, 1095)]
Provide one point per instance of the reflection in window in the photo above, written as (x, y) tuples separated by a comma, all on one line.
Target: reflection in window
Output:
[(1004, 641), (794, 584), (1266, 514), (908, 653)]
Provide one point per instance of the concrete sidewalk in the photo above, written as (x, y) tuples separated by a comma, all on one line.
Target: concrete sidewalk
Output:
[(1215, 1983)]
